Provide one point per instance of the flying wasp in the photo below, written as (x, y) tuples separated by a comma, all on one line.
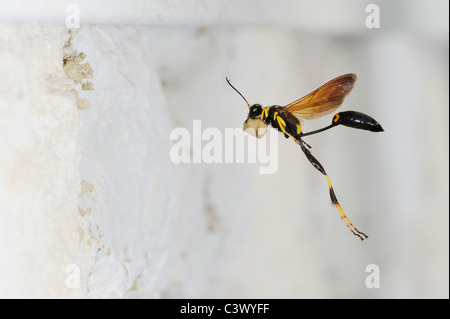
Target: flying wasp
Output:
[(288, 120)]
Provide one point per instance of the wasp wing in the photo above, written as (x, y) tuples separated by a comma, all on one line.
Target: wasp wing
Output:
[(324, 100)]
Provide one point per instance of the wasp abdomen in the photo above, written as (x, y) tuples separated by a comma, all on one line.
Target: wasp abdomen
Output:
[(357, 120)]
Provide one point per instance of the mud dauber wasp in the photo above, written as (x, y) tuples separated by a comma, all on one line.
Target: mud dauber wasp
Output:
[(288, 120)]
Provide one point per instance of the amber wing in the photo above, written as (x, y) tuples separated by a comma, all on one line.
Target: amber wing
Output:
[(324, 100)]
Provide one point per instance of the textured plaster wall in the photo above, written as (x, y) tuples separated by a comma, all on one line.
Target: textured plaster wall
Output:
[(40, 166), (92, 206)]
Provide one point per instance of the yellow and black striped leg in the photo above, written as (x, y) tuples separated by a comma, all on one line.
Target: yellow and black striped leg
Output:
[(344, 217), (319, 167), (333, 197)]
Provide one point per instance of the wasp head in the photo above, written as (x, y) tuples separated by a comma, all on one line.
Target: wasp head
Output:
[(254, 125), (255, 111)]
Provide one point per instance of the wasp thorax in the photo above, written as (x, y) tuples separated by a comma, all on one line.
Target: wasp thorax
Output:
[(255, 127)]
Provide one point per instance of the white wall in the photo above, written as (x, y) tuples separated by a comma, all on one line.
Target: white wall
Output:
[(40, 166), (95, 188)]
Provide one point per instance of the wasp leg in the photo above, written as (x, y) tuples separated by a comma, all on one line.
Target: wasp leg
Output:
[(344, 217), (333, 197), (309, 146)]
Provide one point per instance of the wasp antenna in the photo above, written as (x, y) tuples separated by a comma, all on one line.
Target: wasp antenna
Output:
[(228, 80)]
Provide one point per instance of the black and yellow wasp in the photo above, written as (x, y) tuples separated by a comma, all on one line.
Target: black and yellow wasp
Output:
[(288, 120)]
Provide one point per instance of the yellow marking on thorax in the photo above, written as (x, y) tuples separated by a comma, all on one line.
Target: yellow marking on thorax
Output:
[(265, 112), (281, 122), (299, 128)]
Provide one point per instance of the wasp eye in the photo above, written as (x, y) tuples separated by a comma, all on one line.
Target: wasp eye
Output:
[(255, 111)]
